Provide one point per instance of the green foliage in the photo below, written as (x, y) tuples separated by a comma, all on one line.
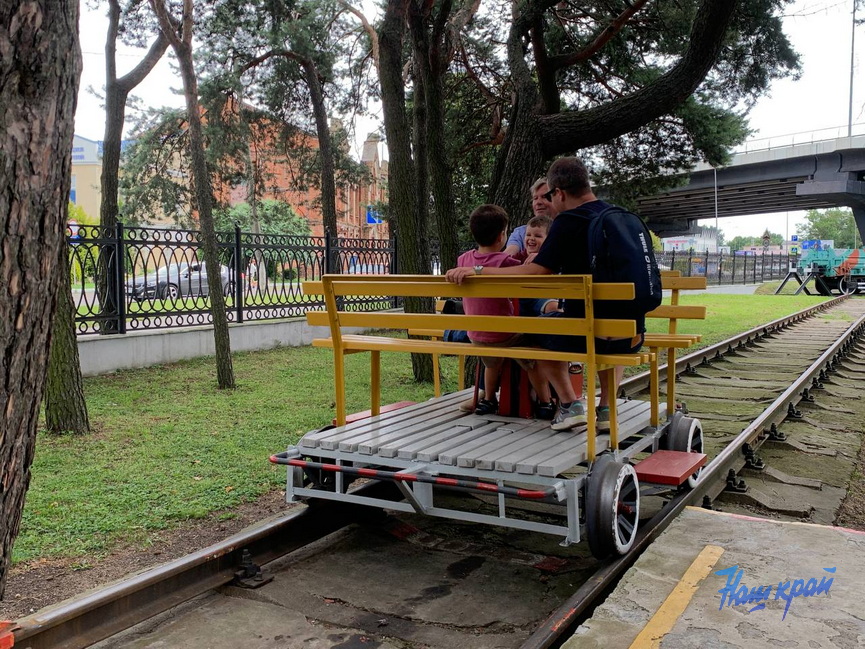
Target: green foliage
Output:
[(80, 216), (157, 170), (836, 223), (274, 217), (742, 243)]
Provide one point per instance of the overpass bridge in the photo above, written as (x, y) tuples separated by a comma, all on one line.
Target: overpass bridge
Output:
[(822, 174)]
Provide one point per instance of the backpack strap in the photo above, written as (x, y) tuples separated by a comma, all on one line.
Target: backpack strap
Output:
[(591, 215)]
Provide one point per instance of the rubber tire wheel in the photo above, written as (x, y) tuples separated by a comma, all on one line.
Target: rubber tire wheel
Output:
[(169, 292), (612, 507), (686, 434)]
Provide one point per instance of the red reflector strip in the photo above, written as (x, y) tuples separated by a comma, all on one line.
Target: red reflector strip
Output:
[(7, 640), (380, 474)]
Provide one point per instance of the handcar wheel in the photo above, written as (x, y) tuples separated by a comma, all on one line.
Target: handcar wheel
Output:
[(612, 508), (686, 434)]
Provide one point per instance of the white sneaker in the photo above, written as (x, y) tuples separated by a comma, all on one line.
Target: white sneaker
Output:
[(570, 417)]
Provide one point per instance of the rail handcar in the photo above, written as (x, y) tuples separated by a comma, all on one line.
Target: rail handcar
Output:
[(840, 269), (589, 477)]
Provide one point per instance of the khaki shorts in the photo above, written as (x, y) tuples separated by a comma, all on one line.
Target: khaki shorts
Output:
[(495, 362)]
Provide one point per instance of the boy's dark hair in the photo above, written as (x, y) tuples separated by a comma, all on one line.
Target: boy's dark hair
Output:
[(541, 221), (486, 223)]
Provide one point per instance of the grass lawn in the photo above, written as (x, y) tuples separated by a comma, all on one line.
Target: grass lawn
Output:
[(168, 446)]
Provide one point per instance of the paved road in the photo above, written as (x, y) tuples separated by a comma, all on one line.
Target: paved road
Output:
[(728, 289)]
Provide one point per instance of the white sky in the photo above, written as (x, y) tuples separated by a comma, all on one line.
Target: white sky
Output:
[(820, 31)]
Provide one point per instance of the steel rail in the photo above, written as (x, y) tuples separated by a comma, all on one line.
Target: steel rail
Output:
[(713, 477), (641, 381), (98, 615)]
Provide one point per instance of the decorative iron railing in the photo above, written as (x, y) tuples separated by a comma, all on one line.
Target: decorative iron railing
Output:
[(134, 278)]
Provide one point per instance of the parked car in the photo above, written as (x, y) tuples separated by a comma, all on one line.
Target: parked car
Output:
[(186, 279)]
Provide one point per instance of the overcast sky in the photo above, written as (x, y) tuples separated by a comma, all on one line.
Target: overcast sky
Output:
[(815, 106)]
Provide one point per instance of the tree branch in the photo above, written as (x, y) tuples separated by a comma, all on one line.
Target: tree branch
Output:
[(606, 35), (575, 130), (368, 28)]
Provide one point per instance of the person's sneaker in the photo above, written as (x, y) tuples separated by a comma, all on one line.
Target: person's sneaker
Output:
[(570, 417), (602, 420), (545, 410), (469, 405), (487, 407)]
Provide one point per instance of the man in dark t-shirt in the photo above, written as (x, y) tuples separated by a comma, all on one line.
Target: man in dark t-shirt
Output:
[(565, 250)]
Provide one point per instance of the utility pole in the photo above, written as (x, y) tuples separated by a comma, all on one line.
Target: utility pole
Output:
[(852, 60)]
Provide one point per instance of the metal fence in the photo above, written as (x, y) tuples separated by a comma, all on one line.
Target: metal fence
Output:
[(731, 268), (132, 278)]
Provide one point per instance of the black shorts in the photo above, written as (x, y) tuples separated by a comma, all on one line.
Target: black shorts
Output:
[(577, 344)]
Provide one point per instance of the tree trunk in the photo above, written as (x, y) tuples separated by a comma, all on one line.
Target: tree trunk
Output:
[(38, 88), (116, 93), (65, 406), (222, 341), (182, 44), (411, 237), (429, 97), (325, 147)]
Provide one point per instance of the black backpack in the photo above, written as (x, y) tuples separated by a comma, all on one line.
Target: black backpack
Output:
[(620, 250)]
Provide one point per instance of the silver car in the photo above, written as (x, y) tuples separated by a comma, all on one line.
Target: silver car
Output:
[(178, 280)]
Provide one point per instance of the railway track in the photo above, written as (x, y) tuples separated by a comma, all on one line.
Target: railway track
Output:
[(763, 397)]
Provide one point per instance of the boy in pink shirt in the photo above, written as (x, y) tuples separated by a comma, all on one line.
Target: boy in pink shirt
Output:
[(489, 226)]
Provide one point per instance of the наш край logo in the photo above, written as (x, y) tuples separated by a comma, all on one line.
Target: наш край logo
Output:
[(735, 593)]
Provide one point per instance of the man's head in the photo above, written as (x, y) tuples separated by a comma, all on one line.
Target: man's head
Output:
[(488, 223), (540, 205), (568, 184)]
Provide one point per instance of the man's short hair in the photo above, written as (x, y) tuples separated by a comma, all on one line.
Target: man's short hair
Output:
[(486, 223), (537, 184), (570, 175), (541, 221)]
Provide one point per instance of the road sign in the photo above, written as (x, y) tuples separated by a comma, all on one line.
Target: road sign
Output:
[(372, 215)]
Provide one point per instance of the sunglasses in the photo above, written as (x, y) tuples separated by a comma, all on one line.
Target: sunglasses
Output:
[(548, 197)]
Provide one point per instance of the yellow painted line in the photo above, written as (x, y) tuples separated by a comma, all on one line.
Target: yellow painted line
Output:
[(671, 610)]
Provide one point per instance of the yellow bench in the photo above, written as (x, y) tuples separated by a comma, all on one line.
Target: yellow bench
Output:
[(672, 281), (571, 287)]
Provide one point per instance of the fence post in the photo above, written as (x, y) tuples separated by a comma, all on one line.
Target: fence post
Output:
[(691, 259), (328, 252), (673, 259), (238, 275), (721, 264), (120, 278), (733, 274)]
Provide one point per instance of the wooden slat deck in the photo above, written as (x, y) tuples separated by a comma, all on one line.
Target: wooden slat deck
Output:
[(437, 432)]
